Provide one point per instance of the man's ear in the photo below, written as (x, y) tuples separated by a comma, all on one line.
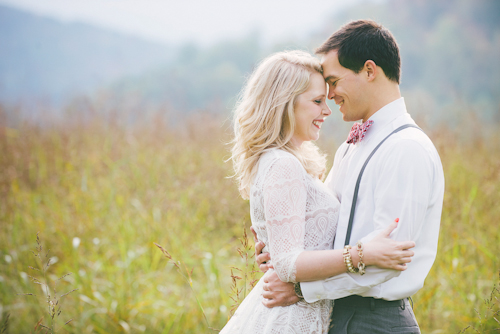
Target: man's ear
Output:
[(371, 70)]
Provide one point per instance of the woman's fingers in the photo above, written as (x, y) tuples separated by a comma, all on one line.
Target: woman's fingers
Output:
[(401, 267), (388, 230), (404, 257), (406, 244), (406, 260)]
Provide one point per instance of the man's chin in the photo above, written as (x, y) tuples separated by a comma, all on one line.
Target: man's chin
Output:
[(346, 118)]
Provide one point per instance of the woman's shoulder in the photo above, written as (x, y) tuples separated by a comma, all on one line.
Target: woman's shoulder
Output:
[(279, 156), (282, 162)]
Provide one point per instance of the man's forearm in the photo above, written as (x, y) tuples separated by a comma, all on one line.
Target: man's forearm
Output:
[(344, 285)]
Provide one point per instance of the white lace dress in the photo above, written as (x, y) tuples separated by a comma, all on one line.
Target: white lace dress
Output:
[(291, 212)]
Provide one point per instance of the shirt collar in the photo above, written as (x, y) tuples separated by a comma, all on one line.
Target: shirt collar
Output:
[(384, 116)]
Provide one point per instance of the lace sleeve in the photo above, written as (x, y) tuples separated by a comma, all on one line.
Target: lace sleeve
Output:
[(285, 195)]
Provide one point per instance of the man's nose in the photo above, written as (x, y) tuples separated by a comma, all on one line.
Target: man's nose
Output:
[(331, 93)]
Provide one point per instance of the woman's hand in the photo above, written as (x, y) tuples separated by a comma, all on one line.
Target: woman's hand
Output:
[(386, 253)]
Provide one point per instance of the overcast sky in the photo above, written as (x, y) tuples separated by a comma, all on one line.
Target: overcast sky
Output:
[(202, 21)]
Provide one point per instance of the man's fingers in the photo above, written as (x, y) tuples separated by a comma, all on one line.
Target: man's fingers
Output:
[(254, 234), (263, 258), (264, 268), (258, 247), (269, 303), (267, 295)]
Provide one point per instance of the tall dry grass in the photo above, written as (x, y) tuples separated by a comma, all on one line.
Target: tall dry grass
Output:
[(101, 193)]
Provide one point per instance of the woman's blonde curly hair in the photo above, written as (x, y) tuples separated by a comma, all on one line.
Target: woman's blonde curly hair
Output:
[(264, 116)]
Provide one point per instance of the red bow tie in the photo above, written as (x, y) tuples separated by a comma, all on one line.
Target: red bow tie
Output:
[(358, 132)]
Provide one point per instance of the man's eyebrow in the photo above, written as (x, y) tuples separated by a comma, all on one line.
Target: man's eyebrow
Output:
[(330, 78)]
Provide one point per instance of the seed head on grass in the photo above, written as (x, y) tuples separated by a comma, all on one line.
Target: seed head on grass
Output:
[(241, 285), (187, 274), (53, 301), (5, 324), (489, 318)]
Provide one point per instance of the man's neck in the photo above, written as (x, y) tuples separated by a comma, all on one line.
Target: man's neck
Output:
[(381, 98)]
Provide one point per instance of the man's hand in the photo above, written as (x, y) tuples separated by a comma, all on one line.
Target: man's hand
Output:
[(278, 293), (261, 258)]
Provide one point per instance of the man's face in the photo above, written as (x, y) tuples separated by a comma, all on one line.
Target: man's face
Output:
[(347, 88)]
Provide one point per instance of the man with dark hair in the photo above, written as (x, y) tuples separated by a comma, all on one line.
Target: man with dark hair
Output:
[(387, 168)]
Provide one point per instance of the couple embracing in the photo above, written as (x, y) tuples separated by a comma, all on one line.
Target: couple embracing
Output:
[(336, 258)]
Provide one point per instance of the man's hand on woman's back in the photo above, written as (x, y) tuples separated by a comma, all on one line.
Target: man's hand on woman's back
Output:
[(262, 259), (276, 292)]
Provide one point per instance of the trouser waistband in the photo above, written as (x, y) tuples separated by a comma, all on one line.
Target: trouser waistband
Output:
[(370, 302)]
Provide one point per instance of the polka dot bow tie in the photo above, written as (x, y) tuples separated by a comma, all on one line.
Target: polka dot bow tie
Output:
[(358, 132)]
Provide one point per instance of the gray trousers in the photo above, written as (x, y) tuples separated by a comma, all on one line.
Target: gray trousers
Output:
[(360, 315)]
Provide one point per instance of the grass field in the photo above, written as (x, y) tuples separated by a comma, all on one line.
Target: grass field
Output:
[(100, 194)]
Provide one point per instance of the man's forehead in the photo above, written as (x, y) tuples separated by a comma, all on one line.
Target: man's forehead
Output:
[(332, 70), (329, 57)]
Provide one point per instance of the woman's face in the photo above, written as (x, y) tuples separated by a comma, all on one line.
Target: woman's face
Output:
[(310, 111)]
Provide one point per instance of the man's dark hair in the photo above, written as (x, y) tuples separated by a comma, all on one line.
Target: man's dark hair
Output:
[(362, 40)]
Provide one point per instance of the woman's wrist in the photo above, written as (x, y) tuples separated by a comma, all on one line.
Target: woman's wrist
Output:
[(354, 257), (368, 254)]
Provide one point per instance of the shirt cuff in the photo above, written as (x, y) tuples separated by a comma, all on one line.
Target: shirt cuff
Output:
[(312, 291)]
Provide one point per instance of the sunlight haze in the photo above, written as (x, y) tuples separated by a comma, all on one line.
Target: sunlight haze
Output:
[(198, 21)]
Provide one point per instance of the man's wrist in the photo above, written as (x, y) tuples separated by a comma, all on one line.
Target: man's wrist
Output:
[(298, 290)]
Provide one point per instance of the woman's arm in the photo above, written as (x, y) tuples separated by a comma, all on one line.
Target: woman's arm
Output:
[(285, 196), (382, 252)]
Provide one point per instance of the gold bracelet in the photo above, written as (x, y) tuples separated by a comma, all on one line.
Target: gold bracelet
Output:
[(348, 260), (361, 265)]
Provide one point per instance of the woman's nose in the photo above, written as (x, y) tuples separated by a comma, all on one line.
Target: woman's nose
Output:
[(326, 110)]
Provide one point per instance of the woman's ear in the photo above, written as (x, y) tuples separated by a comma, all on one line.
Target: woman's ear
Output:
[(371, 70)]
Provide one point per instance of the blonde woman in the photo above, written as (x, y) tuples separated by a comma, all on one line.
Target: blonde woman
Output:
[(279, 169)]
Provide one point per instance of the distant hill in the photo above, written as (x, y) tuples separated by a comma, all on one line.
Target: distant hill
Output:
[(208, 78), (42, 58), (450, 51)]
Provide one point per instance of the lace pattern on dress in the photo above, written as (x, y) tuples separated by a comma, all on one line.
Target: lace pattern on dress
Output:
[(291, 212)]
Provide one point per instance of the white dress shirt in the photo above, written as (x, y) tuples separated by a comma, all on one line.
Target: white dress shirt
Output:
[(404, 179)]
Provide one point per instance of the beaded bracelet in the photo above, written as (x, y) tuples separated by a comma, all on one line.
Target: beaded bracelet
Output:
[(361, 265), (348, 260)]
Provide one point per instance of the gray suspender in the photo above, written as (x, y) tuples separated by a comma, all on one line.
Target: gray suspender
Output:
[(356, 189)]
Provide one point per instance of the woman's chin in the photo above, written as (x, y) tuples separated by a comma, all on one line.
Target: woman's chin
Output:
[(314, 138)]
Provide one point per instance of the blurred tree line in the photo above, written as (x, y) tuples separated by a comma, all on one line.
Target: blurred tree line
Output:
[(450, 52)]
